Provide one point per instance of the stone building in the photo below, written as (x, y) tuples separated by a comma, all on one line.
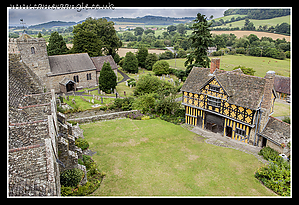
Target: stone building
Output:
[(41, 144), (229, 102), (71, 71), (63, 73)]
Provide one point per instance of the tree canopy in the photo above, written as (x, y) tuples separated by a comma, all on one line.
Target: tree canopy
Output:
[(56, 45), (96, 37)]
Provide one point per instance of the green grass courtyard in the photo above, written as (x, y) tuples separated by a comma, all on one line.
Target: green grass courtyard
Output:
[(157, 158)]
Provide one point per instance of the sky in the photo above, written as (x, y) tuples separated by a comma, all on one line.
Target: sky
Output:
[(37, 16)]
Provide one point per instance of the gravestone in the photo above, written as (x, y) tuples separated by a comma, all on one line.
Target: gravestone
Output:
[(73, 101), (130, 86), (126, 83), (67, 98), (92, 96), (92, 101), (102, 100)]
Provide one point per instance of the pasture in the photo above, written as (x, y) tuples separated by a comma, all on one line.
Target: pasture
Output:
[(260, 64), (157, 158)]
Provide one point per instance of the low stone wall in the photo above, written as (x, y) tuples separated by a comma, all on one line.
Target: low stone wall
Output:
[(108, 116)]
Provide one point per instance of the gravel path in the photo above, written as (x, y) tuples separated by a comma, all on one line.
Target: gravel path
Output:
[(218, 140)]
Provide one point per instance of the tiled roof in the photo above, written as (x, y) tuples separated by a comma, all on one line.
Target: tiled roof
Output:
[(282, 84), (277, 130), (243, 90), (99, 62), (70, 63)]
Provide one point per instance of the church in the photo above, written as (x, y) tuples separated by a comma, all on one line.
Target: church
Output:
[(63, 73), (231, 103)]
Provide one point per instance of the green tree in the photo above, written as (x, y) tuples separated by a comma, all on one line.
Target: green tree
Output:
[(141, 56), (150, 60), (87, 42), (138, 31), (103, 32), (161, 67), (107, 79), (39, 35), (147, 84), (171, 28), (181, 28), (130, 63), (247, 71), (200, 39), (56, 45)]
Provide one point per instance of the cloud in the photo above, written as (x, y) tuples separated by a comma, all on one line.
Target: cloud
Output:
[(37, 16)]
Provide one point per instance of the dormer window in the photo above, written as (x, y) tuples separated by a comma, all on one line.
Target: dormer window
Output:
[(32, 50)]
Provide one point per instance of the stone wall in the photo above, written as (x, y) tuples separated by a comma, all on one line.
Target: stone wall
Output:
[(108, 116), (54, 80)]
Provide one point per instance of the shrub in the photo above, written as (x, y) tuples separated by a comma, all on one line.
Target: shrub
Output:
[(161, 67), (82, 143), (145, 117), (71, 177), (147, 84), (150, 60)]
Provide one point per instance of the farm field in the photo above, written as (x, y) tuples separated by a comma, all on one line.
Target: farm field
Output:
[(257, 33), (171, 161), (122, 51), (256, 22), (260, 64)]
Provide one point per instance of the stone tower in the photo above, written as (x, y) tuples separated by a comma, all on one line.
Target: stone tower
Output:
[(34, 54)]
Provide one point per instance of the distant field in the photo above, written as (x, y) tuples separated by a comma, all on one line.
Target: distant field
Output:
[(258, 33), (257, 23), (122, 51), (260, 64)]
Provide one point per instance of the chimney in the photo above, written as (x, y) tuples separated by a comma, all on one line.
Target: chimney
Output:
[(215, 64), (269, 77)]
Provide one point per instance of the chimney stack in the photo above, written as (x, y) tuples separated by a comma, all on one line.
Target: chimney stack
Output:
[(215, 64), (269, 77)]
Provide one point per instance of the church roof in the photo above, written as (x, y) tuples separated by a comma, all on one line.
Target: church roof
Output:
[(99, 62), (70, 63), (243, 90)]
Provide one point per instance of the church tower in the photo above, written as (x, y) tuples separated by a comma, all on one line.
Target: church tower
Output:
[(34, 54)]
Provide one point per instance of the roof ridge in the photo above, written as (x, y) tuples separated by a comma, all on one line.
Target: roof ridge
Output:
[(279, 120)]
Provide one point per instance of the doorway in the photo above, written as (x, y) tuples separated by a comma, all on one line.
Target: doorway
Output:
[(70, 86), (229, 131)]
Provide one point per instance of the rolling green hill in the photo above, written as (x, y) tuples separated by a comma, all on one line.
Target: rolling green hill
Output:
[(257, 23)]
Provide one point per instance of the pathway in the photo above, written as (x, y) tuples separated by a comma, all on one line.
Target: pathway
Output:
[(126, 77), (221, 141)]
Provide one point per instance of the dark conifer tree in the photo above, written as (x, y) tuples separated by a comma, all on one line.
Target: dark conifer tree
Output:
[(107, 79)]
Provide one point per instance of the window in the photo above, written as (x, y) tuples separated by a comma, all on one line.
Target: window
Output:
[(214, 88), (32, 50), (88, 76), (214, 102), (76, 79), (240, 132)]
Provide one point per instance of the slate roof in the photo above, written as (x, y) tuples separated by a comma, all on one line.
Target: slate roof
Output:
[(243, 90), (277, 130), (70, 63), (282, 84), (99, 62)]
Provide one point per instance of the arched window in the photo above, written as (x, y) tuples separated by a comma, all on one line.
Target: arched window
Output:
[(32, 50)]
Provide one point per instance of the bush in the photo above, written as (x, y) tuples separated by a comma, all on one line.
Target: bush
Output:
[(161, 67), (147, 84), (82, 143), (125, 104), (71, 177), (150, 60), (276, 175)]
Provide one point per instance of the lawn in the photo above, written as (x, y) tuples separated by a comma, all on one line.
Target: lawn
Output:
[(157, 158), (281, 109), (83, 105), (260, 64)]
